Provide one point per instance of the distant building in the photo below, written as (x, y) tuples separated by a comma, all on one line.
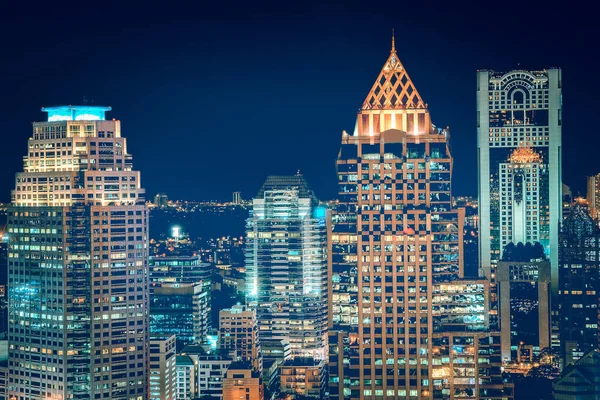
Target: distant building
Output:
[(238, 335), (237, 198), (161, 200), (304, 376), (180, 298), (186, 378), (287, 265), (163, 369), (567, 200), (579, 289), (242, 382), (579, 381), (524, 304)]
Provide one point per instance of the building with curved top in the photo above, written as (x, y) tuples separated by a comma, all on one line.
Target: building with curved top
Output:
[(519, 126)]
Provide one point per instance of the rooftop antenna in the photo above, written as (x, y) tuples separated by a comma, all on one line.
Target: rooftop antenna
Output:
[(393, 41)]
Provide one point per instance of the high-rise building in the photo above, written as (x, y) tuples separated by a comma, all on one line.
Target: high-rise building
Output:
[(238, 334), (163, 368), (180, 302), (593, 195), (519, 149), (579, 274), (398, 276), (395, 236), (78, 263), (242, 381), (524, 304), (579, 381), (287, 265)]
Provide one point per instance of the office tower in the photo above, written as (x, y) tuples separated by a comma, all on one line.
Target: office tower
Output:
[(163, 369), (78, 263), (238, 335), (396, 235), (180, 301), (287, 265), (579, 381), (398, 239), (593, 195), (523, 282), (579, 278), (519, 149), (242, 381), (161, 200), (237, 198), (304, 376)]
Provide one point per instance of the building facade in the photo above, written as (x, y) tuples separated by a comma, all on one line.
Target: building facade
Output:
[(163, 368), (303, 376), (78, 263), (579, 273), (242, 382), (579, 381), (593, 195), (238, 334), (519, 109), (180, 302), (524, 306), (186, 378), (395, 236), (287, 265)]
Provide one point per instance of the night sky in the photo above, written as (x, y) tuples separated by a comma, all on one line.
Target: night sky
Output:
[(216, 96)]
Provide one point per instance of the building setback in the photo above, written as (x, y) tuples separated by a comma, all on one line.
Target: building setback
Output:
[(78, 263)]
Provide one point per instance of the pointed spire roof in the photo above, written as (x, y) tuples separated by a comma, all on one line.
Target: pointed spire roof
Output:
[(393, 88)]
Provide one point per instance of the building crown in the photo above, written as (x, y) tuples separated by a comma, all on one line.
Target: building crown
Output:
[(393, 88)]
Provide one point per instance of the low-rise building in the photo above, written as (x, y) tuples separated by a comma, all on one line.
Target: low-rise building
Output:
[(242, 382), (303, 376)]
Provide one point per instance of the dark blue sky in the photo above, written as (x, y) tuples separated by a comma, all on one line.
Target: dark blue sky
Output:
[(214, 97)]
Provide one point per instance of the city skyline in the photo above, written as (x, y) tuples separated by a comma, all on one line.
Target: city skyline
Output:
[(269, 59)]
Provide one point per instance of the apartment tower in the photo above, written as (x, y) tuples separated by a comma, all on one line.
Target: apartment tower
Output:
[(78, 263)]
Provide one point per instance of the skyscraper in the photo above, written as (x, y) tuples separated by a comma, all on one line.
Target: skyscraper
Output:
[(395, 237), (78, 263), (593, 195), (519, 150), (287, 265), (579, 273)]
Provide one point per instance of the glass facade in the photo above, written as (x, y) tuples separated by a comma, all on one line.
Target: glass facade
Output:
[(287, 265), (78, 265)]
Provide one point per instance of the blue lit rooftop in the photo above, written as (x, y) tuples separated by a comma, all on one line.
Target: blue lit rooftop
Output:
[(76, 113)]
